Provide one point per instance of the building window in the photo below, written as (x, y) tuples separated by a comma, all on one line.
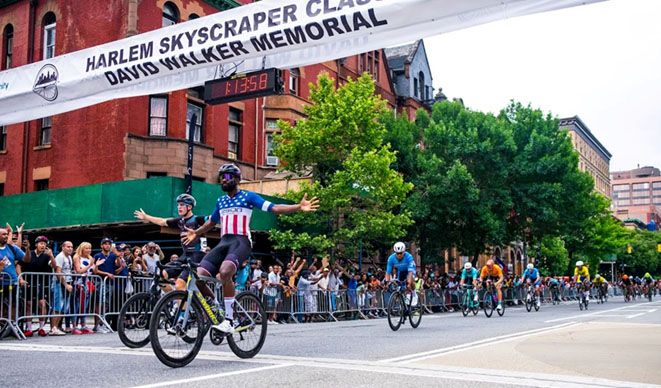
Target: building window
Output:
[(194, 109), (656, 185), (158, 116), (170, 14), (640, 201), (49, 36), (640, 186), (154, 174), (624, 202), (622, 194), (271, 159), (3, 138), (2, 189), (45, 131), (620, 187), (272, 124), (294, 82), (41, 185), (8, 45), (421, 77), (234, 136), (415, 87)]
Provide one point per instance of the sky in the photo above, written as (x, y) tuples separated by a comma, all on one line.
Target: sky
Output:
[(601, 62)]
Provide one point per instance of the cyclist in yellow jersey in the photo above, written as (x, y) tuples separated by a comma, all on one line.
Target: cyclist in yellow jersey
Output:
[(582, 275)]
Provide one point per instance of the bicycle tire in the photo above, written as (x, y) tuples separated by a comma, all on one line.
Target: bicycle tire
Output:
[(488, 304), (580, 304), (536, 305), (529, 302), (144, 301), (501, 312), (414, 319), (163, 310), (395, 310), (465, 304), (246, 304)]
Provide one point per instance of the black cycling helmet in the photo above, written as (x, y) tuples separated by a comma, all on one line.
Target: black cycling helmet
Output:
[(186, 199), (229, 168)]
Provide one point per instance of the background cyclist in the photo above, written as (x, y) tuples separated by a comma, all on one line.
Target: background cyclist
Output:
[(186, 220), (469, 275), (582, 276), (494, 273), (531, 274)]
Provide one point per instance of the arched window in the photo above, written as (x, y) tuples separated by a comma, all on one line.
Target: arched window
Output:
[(421, 85), (170, 14), (49, 35), (193, 16), (7, 46)]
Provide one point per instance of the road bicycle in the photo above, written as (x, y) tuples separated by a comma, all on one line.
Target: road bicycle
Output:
[(583, 299), (181, 320), (135, 314), (490, 300), (403, 303), (555, 295), (531, 298), (469, 301), (602, 294), (648, 293)]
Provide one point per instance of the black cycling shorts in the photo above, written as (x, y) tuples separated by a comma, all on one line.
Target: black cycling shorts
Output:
[(232, 247)]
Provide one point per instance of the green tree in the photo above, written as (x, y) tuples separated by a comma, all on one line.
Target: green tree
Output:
[(644, 256), (342, 143), (555, 258)]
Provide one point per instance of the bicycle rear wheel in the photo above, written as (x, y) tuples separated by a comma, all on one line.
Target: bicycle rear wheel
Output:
[(415, 314), (250, 328), (488, 304), (395, 310), (529, 302), (133, 321), (175, 342)]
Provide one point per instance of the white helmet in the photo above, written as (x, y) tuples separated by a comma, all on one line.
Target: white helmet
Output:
[(531, 266), (579, 263), (597, 276), (399, 247), (468, 265)]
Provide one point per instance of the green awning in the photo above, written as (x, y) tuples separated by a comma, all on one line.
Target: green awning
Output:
[(114, 202)]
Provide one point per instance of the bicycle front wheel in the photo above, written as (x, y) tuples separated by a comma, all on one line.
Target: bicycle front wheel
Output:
[(488, 304), (395, 310), (250, 330), (529, 302), (133, 321), (176, 341), (465, 303), (415, 314)]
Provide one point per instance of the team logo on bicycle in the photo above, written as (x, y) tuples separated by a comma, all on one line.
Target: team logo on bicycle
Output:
[(45, 84)]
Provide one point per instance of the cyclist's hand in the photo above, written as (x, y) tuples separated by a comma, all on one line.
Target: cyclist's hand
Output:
[(309, 205), (189, 237), (140, 214)]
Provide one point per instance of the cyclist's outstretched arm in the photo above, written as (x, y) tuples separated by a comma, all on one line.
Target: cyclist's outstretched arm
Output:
[(142, 215)]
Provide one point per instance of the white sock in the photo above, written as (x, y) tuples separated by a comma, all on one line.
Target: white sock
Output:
[(229, 310)]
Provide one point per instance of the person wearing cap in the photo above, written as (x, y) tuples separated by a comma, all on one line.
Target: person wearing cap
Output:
[(37, 282), (105, 266), (186, 220), (233, 212)]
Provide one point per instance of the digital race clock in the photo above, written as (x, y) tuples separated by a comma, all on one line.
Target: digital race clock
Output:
[(243, 86)]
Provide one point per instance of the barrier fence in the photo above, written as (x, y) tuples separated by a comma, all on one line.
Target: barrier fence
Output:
[(75, 299)]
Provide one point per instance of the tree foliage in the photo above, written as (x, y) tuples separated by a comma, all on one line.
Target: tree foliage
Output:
[(342, 143)]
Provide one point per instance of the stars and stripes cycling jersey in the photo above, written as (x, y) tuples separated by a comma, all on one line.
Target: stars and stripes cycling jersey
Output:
[(234, 213)]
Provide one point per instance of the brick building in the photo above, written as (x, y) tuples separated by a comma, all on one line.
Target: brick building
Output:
[(637, 194), (140, 137), (594, 158)]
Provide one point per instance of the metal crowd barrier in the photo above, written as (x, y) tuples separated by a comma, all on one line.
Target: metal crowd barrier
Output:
[(8, 307), (42, 295)]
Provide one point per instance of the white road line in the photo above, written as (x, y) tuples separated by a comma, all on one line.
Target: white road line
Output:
[(492, 340), (276, 361), (590, 314), (214, 376), (635, 315)]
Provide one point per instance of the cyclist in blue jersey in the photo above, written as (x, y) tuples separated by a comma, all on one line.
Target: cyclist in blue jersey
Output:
[(469, 275), (233, 211), (531, 274), (404, 263)]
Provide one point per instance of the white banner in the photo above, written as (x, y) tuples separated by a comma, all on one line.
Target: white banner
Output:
[(271, 33)]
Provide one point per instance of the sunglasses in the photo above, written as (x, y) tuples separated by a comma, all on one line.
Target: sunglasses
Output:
[(227, 176)]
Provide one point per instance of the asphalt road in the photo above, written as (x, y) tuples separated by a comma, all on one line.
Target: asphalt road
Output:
[(616, 344)]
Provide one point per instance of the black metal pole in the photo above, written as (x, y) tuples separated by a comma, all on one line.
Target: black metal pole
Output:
[(191, 142)]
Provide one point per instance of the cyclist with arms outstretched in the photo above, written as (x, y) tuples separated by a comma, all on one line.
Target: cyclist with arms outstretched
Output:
[(233, 211), (193, 250)]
